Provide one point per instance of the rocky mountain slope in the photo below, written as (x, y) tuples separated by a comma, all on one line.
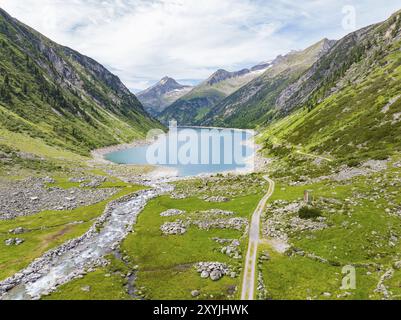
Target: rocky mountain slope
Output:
[(164, 93), (56, 95), (349, 107), (192, 107), (253, 103)]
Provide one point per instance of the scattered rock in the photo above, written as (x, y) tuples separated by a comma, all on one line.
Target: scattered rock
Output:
[(28, 197), (174, 228), (77, 180), (216, 275), (14, 242), (95, 183), (233, 223), (48, 180), (86, 288), (216, 212), (213, 270), (397, 265), (216, 199), (18, 230), (195, 293), (172, 213)]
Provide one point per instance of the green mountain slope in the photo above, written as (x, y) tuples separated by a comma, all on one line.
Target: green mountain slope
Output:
[(255, 102), (354, 110), (192, 107), (54, 94)]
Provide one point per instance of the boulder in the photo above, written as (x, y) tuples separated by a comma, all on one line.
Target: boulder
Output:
[(14, 242), (86, 289), (195, 293), (216, 275)]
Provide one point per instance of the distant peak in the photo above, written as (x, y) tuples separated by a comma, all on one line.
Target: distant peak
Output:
[(167, 80), (165, 85), (218, 76), (262, 66)]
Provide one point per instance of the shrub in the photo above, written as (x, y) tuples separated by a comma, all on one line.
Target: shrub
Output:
[(353, 163), (309, 213)]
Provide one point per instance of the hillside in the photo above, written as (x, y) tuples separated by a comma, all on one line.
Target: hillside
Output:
[(164, 93), (60, 98), (253, 103), (352, 98), (192, 107)]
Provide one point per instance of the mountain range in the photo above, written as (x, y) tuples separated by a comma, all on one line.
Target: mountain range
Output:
[(348, 103), (348, 88), (335, 96), (193, 106)]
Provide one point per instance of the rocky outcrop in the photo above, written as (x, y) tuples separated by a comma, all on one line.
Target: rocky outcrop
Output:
[(172, 213), (178, 227), (213, 270)]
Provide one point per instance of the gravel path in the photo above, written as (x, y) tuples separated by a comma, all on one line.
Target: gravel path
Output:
[(248, 286)]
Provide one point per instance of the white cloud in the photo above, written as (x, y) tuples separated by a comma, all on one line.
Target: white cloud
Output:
[(144, 40)]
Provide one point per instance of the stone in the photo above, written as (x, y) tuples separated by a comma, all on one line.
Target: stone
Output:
[(19, 241), (9, 242), (86, 288), (217, 199), (18, 230), (172, 213), (216, 275), (205, 274), (174, 228), (195, 293), (14, 242), (48, 180)]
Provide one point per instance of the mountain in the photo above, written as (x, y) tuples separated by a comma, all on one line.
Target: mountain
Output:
[(192, 107), (348, 105), (58, 96), (253, 103), (164, 93)]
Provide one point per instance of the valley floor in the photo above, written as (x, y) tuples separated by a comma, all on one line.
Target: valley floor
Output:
[(191, 243)]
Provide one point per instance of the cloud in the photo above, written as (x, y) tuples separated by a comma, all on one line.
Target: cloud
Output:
[(144, 40)]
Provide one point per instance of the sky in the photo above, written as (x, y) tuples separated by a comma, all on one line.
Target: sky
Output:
[(142, 41)]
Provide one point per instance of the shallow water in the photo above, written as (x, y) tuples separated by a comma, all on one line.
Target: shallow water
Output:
[(209, 150)]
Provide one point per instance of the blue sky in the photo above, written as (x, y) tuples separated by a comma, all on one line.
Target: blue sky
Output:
[(143, 40)]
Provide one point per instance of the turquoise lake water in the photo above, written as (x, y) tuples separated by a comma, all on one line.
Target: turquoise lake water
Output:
[(194, 151)]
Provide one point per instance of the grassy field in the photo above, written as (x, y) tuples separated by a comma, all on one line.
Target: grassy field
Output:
[(165, 264), (361, 232)]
